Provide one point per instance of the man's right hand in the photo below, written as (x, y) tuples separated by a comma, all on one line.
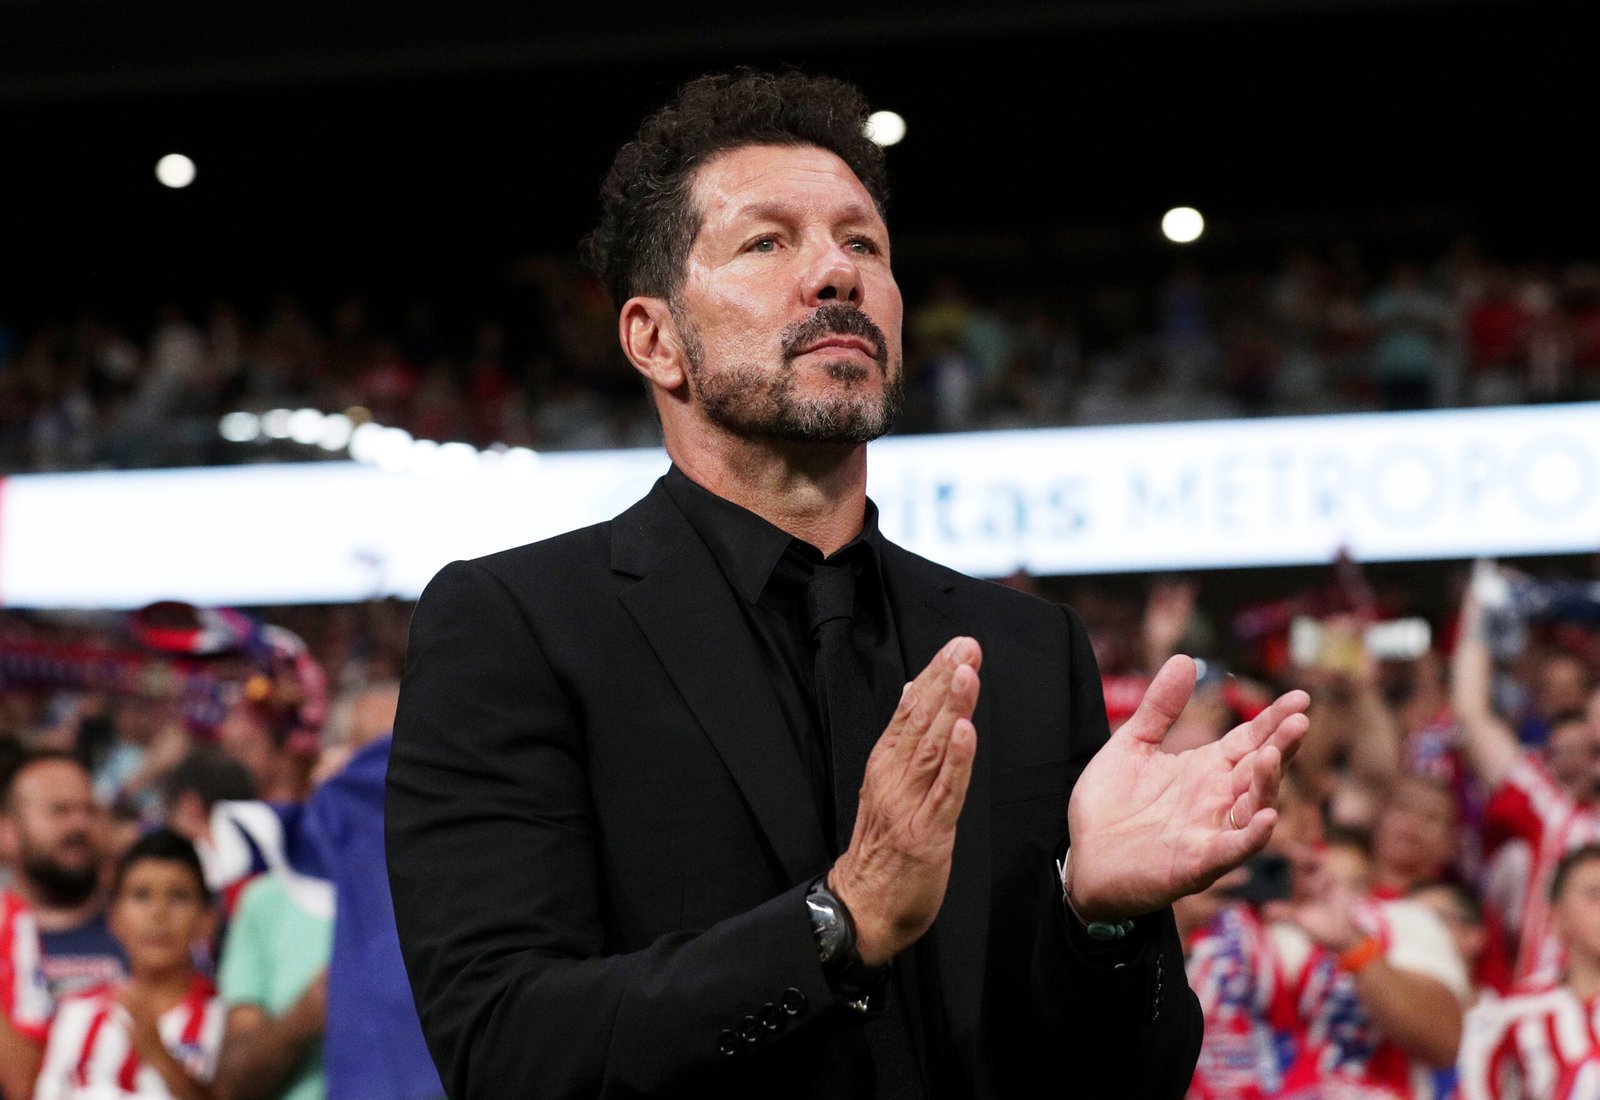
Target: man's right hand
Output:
[(893, 875)]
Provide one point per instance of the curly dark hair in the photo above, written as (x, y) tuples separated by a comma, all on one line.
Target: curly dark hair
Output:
[(647, 216)]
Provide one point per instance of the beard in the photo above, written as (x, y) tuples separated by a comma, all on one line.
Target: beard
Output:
[(58, 883), (749, 400)]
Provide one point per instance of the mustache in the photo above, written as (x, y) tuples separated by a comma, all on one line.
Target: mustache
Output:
[(835, 319)]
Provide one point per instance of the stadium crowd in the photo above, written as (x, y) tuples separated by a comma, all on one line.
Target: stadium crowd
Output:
[(1426, 922), (1320, 333)]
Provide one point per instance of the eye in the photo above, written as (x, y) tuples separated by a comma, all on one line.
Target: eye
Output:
[(863, 246), (768, 243)]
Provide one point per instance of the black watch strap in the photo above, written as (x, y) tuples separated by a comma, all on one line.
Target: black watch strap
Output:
[(848, 976)]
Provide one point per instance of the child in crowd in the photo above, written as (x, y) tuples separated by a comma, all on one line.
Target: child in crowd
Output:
[(1540, 1042), (157, 1034)]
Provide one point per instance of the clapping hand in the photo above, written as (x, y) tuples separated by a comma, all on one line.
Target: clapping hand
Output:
[(1149, 827)]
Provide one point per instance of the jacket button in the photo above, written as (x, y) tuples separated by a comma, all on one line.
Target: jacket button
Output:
[(793, 1001), (772, 1017), (728, 1042), (749, 1028)]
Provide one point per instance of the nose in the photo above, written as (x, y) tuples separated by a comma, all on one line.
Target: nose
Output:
[(834, 277)]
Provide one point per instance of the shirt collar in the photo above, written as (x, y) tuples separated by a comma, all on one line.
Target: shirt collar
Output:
[(748, 547)]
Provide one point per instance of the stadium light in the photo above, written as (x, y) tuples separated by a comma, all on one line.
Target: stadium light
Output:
[(305, 426), (336, 431), (1182, 225), (886, 128), (175, 170), (275, 423), (240, 427), (369, 443)]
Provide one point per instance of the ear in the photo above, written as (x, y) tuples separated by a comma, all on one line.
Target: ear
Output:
[(8, 840), (650, 340)]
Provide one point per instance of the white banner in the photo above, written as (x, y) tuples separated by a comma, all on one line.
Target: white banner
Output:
[(1290, 491)]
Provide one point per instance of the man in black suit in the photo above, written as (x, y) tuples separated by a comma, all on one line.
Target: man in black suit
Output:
[(665, 818)]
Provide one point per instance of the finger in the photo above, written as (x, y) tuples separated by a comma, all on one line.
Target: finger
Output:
[(1251, 735), (948, 793), (959, 703), (923, 697), (1231, 847), (1255, 783), (1163, 701), (1286, 738)]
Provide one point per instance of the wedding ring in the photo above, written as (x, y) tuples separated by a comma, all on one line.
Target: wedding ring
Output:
[(1231, 821)]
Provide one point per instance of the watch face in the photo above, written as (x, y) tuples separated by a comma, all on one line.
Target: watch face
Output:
[(828, 925)]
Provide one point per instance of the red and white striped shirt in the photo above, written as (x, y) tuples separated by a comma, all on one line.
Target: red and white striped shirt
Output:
[(1552, 824), (1233, 969), (91, 1057), (1538, 1044), (24, 998), (1339, 1051)]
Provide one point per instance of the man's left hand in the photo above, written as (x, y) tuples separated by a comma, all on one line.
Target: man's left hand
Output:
[(1149, 827)]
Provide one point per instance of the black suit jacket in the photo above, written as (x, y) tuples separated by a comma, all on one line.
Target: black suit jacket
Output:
[(600, 833)]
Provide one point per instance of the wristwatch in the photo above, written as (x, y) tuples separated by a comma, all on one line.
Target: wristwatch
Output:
[(848, 976)]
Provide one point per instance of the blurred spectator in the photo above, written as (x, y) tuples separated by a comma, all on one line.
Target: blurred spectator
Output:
[(1416, 838), (191, 790), (273, 979), (197, 783), (1409, 351), (1549, 815), (1459, 909), (148, 738), (247, 735), (155, 1035), (357, 719), (1539, 1043), (1212, 341), (52, 834), (1351, 753), (25, 1005), (1379, 987), (1234, 970)]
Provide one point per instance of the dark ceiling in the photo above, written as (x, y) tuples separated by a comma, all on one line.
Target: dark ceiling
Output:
[(343, 146)]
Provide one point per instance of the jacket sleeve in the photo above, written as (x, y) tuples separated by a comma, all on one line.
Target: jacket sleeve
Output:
[(1128, 1023), (495, 866)]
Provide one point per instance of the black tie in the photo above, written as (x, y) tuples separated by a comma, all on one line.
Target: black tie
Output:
[(844, 698), (849, 730)]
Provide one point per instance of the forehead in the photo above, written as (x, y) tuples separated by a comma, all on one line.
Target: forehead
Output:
[(1419, 794), (1346, 859), (152, 871), (52, 781), (1585, 873), (754, 181)]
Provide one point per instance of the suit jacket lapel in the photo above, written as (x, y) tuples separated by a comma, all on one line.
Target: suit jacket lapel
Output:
[(687, 611), (926, 619)]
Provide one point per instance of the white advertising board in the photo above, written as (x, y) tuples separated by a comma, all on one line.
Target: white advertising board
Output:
[(1285, 491)]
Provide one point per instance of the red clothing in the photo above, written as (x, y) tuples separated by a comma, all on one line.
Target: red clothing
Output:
[(24, 999), (1234, 970), (91, 1053), (1338, 1049), (1544, 816), (1537, 1044)]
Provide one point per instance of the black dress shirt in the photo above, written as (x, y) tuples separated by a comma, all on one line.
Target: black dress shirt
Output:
[(769, 569)]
